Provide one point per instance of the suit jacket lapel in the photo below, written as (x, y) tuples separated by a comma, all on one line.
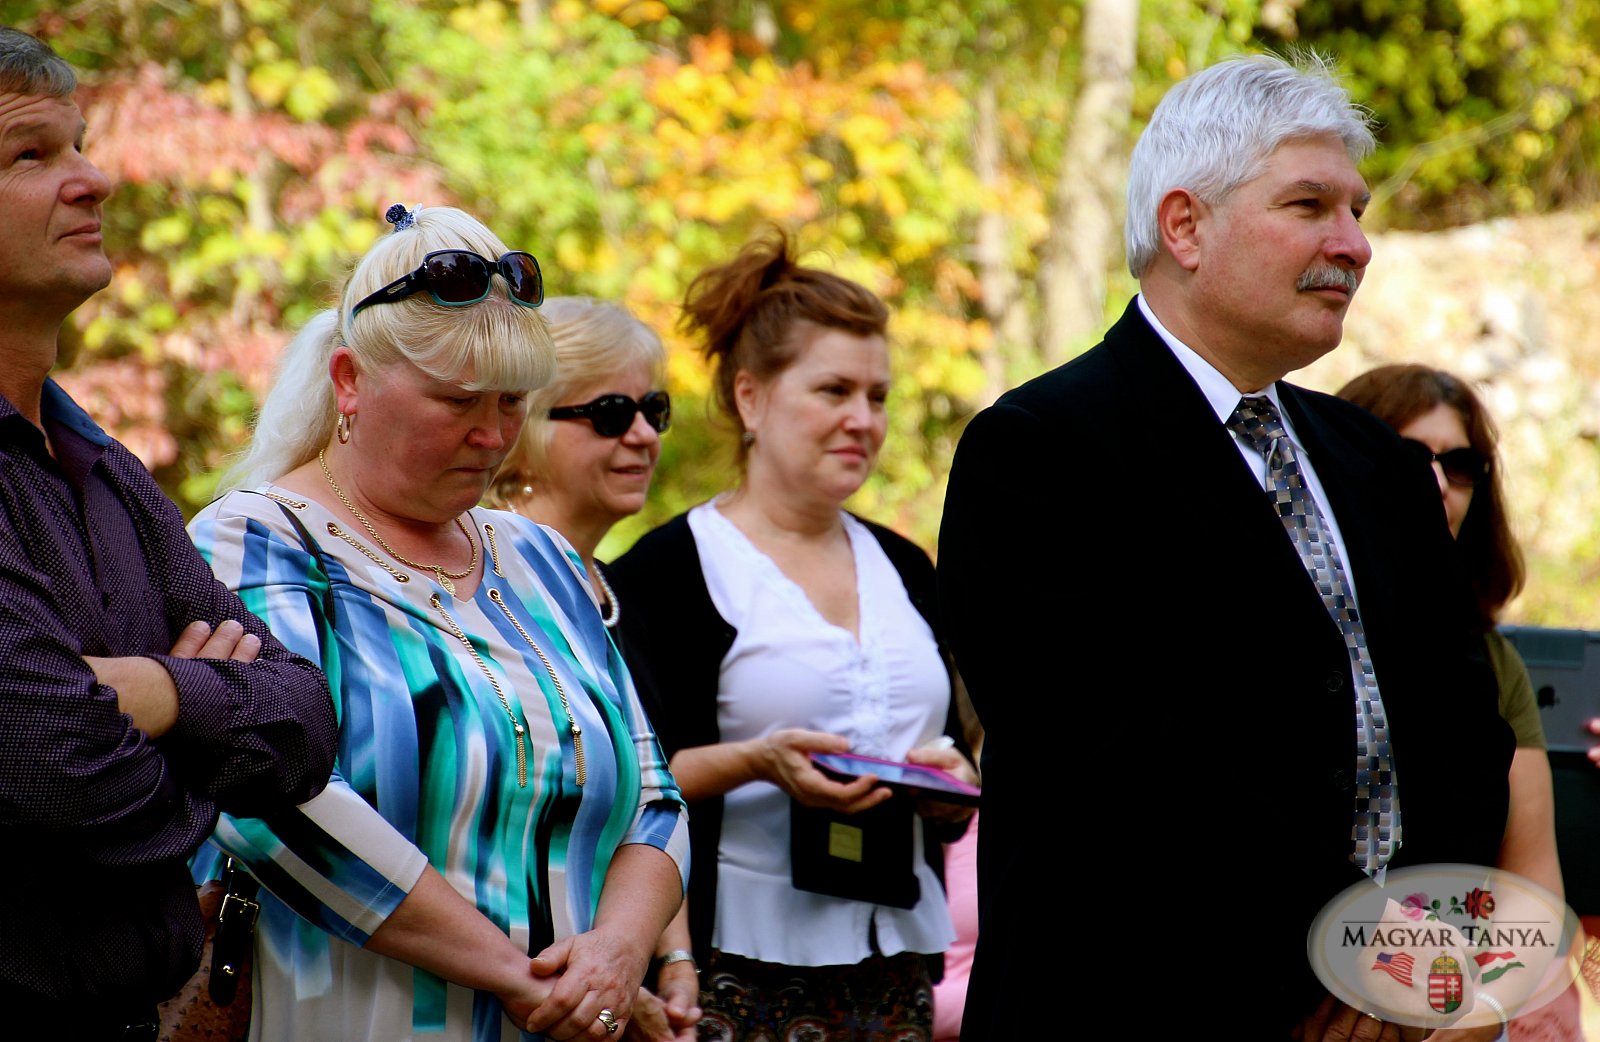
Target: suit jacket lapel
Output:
[(1218, 500)]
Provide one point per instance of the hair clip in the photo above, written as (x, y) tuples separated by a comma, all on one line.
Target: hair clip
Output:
[(400, 217)]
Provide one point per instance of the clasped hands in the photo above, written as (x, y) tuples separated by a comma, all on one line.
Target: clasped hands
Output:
[(572, 981)]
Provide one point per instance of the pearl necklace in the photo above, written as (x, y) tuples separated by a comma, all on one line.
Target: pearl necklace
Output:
[(437, 569), (611, 598)]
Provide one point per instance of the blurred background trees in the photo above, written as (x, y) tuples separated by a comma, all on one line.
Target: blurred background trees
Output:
[(964, 158)]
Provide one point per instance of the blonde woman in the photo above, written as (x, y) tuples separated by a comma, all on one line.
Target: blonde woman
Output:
[(584, 462), (499, 793)]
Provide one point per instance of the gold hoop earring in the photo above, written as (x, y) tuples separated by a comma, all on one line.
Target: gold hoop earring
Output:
[(341, 430)]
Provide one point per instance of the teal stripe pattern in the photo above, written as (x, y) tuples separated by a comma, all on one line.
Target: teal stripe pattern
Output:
[(427, 766)]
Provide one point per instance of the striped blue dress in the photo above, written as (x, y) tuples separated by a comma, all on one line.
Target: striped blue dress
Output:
[(428, 767)]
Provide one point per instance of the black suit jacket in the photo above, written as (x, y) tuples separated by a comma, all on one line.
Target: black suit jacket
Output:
[(1164, 693)]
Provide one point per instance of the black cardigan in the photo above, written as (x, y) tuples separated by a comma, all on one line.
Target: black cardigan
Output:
[(674, 641)]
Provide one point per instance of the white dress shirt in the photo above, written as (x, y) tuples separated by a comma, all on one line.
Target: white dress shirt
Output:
[(1224, 398)]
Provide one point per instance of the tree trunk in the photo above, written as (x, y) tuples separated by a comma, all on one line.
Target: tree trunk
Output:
[(1009, 324), (1083, 229)]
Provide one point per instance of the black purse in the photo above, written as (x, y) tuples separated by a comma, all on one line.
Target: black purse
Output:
[(214, 1006), (860, 857)]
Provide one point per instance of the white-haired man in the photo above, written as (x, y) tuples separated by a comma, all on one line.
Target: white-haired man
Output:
[(1227, 662)]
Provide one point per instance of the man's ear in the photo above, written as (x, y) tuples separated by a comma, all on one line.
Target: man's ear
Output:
[(1178, 218)]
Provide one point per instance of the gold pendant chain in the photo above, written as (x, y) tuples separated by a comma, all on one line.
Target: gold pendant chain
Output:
[(613, 615), (494, 548), (516, 725), (366, 551), (437, 569), (561, 692)]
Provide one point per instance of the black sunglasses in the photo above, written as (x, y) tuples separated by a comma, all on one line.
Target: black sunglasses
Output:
[(1463, 467), (612, 414), (456, 278)]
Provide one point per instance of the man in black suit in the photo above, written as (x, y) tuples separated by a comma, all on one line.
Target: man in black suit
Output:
[(1167, 691)]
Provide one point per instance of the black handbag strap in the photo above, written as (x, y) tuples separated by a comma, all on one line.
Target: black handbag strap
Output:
[(236, 918), (236, 927), (313, 548)]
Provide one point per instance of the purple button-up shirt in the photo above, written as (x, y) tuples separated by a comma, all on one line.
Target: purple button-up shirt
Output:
[(97, 820)]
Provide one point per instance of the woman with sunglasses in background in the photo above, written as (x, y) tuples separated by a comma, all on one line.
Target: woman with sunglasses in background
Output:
[(499, 792), (1444, 422), (584, 462), (769, 624), (586, 456)]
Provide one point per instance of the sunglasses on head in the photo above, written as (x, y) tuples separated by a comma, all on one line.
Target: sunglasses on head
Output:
[(1464, 467), (612, 414), (456, 278)]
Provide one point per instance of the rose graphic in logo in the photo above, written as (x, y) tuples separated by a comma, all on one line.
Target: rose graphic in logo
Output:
[(1415, 906), (1480, 904)]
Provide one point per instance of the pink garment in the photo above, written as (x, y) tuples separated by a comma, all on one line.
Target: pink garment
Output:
[(961, 888)]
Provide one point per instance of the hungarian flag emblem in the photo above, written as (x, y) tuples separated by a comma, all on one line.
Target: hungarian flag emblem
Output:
[(1444, 984)]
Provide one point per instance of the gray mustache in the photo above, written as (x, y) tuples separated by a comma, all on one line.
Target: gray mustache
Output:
[(1327, 277)]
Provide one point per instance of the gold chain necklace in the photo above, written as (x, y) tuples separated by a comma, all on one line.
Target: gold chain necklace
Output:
[(561, 692), (516, 725), (436, 569)]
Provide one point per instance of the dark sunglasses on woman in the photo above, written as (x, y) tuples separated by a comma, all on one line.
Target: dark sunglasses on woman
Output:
[(1463, 467), (456, 278), (612, 414)]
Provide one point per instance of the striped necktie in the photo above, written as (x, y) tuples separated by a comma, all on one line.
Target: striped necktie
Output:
[(1376, 828)]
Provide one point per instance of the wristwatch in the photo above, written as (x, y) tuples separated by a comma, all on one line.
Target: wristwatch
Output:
[(676, 955)]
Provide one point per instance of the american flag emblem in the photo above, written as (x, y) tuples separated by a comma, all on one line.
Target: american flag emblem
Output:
[(1398, 966)]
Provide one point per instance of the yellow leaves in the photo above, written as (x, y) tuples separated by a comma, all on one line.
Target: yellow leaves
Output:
[(1550, 109), (486, 21), (131, 291), (713, 53), (687, 371), (1528, 144), (314, 92), (571, 252), (815, 169), (269, 82), (633, 13), (864, 130), (305, 93), (163, 233), (99, 331)]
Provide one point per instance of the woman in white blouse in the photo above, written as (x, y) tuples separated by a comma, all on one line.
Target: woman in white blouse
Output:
[(769, 624)]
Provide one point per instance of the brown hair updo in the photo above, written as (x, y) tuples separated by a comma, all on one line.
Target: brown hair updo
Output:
[(757, 313)]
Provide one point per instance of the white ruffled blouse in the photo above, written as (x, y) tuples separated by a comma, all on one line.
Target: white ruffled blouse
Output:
[(887, 692)]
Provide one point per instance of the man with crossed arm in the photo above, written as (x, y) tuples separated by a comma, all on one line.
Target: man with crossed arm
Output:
[(138, 696)]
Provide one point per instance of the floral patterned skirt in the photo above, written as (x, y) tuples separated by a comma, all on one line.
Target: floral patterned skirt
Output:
[(882, 999)]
